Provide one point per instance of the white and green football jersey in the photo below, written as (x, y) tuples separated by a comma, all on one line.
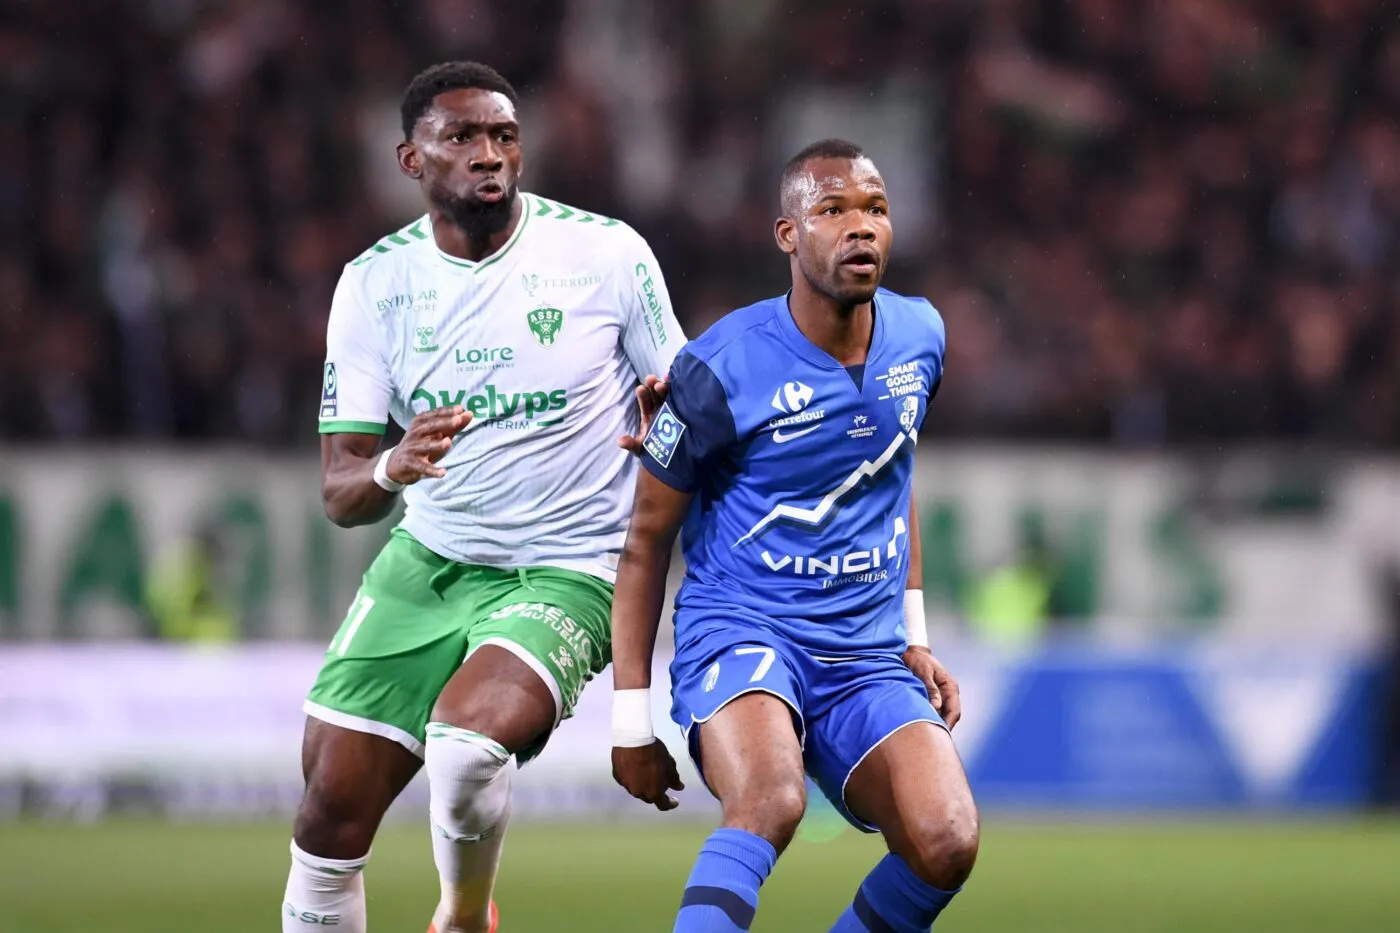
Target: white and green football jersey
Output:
[(543, 342)]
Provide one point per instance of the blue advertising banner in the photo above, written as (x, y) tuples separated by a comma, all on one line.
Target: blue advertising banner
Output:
[(91, 728), (1094, 728)]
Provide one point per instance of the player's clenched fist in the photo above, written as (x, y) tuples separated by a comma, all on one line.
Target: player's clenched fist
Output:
[(427, 440), (647, 772)]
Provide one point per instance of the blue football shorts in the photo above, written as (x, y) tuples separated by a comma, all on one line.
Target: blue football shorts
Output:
[(843, 707)]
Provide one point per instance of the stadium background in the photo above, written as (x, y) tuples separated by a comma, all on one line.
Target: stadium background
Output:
[(1161, 493)]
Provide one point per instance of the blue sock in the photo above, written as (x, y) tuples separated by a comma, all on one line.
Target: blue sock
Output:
[(722, 893), (892, 899)]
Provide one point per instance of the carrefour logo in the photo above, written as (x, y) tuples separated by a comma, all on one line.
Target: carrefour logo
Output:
[(792, 398)]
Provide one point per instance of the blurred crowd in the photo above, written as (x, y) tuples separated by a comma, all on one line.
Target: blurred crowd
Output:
[(1157, 222)]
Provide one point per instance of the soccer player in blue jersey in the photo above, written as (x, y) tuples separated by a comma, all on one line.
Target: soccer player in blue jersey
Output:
[(786, 454)]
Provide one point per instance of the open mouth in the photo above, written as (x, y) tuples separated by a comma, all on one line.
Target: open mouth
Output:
[(490, 191), (863, 261)]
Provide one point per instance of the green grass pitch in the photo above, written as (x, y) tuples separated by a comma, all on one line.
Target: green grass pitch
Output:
[(1153, 877)]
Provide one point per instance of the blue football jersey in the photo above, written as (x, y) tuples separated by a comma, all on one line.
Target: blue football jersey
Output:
[(801, 471)]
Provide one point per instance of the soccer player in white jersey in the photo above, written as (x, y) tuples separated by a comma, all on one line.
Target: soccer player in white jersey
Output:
[(508, 334)]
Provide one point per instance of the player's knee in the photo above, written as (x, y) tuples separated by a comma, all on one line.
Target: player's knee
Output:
[(468, 781), (772, 809), (943, 848), (334, 820)]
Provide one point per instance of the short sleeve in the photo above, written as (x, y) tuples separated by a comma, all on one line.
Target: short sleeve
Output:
[(693, 428), (356, 382), (939, 353), (651, 335)]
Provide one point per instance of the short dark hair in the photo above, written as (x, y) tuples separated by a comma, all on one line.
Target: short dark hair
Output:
[(448, 76), (821, 149)]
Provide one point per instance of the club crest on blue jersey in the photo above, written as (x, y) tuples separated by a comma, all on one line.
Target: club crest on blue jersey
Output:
[(908, 413), (664, 436)]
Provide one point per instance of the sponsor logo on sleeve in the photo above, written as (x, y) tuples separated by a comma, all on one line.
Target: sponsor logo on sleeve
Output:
[(664, 436), (656, 322), (330, 386)]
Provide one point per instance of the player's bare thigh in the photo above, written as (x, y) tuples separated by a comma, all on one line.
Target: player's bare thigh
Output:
[(497, 695), (351, 779), (752, 760), (912, 786)]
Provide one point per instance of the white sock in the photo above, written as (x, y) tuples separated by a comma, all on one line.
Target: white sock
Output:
[(469, 806), (324, 892)]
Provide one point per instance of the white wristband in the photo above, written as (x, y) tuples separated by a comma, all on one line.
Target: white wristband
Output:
[(631, 718), (381, 473), (914, 625)]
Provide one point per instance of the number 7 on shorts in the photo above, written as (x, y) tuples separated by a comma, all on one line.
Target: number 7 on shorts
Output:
[(765, 661)]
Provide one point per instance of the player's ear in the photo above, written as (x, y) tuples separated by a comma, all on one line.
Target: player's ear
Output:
[(410, 163), (785, 232)]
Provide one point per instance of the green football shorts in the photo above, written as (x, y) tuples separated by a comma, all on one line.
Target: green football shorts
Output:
[(418, 615)]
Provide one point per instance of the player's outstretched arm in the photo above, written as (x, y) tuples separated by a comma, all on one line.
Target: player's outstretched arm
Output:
[(641, 763), (359, 483)]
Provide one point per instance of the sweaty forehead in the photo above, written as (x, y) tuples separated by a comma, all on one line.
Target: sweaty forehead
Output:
[(470, 105), (822, 177)]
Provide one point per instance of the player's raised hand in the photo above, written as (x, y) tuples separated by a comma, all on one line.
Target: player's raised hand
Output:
[(942, 689), (650, 394), (648, 772), (427, 440)]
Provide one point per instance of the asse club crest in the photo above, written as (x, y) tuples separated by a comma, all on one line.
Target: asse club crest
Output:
[(545, 324)]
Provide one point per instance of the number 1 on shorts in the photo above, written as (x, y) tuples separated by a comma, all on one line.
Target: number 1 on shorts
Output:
[(358, 610), (763, 665)]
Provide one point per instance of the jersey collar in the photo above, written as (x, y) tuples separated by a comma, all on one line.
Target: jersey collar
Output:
[(467, 265), (815, 354)]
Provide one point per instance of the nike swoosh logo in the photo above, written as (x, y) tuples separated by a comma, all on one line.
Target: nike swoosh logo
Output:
[(780, 438)]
